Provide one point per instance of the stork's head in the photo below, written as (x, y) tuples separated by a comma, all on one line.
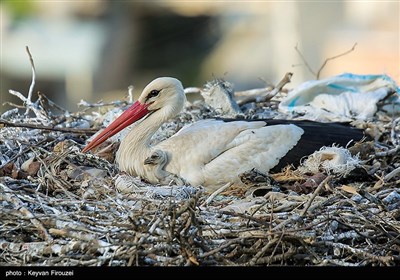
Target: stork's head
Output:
[(165, 94), (157, 157)]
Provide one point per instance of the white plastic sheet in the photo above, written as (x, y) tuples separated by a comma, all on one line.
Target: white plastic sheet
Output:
[(343, 98)]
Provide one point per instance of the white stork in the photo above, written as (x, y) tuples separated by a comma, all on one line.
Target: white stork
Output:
[(212, 152)]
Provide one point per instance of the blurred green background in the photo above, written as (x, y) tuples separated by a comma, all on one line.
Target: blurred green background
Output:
[(94, 50)]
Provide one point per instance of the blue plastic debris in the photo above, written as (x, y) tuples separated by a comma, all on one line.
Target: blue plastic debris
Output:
[(343, 98)]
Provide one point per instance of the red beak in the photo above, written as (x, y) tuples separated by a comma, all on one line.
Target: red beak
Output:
[(131, 115)]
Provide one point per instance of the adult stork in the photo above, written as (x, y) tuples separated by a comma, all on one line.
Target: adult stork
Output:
[(213, 152)]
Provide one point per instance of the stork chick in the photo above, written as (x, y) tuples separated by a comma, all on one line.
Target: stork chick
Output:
[(157, 161)]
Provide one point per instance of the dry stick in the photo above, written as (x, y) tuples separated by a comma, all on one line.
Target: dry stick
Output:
[(266, 94), (317, 190), (27, 101), (283, 224), (38, 248), (285, 80), (328, 201), (304, 61), (338, 263), (378, 224), (38, 112), (317, 75), (334, 57), (117, 103), (65, 232), (258, 208), (13, 105), (214, 194), (192, 90), (44, 98), (33, 80), (8, 195), (254, 92), (232, 253), (216, 250), (359, 252), (22, 152), (372, 199), (306, 245), (37, 126), (245, 216), (392, 174), (49, 175), (101, 104), (277, 244), (393, 134), (187, 205), (279, 257), (271, 215), (253, 261), (390, 152), (299, 229), (187, 224)]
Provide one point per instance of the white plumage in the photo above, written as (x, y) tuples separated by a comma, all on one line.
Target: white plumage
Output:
[(209, 152)]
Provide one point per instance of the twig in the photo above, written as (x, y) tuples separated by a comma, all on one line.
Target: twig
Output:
[(251, 93), (260, 221), (317, 75), (338, 263), (261, 206), (190, 203), (13, 105), (285, 80), (304, 61), (223, 246), (32, 106), (37, 126), (192, 90), (43, 98), (329, 201), (279, 257), (372, 198), (260, 253), (8, 195), (390, 152), (317, 190), (334, 57), (217, 192), (22, 152), (391, 174), (33, 80), (359, 252), (264, 94), (393, 135), (277, 244), (117, 103), (71, 233)]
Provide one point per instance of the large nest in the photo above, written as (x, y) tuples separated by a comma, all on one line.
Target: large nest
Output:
[(60, 207)]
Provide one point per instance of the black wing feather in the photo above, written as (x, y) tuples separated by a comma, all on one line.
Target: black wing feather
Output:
[(316, 135)]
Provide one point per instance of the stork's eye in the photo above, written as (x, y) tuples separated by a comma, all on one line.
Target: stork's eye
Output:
[(153, 93)]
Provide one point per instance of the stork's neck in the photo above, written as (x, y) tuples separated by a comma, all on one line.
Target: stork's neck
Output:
[(135, 147)]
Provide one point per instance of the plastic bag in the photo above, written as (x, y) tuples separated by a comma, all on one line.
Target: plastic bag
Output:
[(343, 98)]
